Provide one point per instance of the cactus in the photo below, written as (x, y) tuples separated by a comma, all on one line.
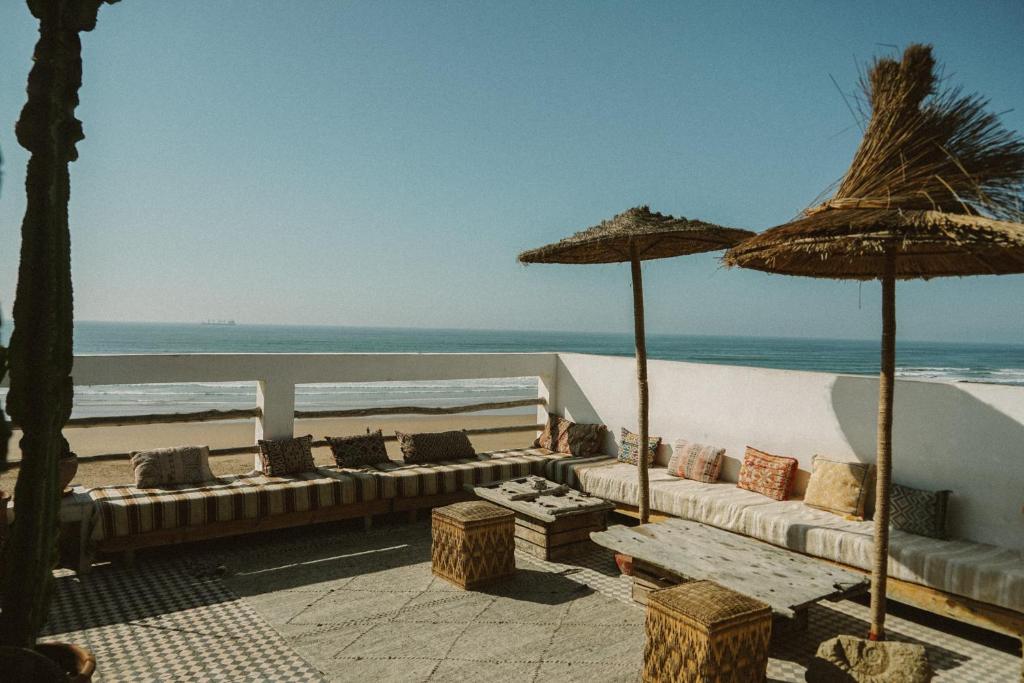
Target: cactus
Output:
[(40, 353)]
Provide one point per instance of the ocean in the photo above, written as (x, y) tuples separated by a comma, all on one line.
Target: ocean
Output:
[(937, 361)]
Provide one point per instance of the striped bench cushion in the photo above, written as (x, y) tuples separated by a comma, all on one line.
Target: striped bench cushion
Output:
[(399, 480), (127, 511)]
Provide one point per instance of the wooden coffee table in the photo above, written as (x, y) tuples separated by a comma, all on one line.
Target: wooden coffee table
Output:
[(677, 550), (553, 521)]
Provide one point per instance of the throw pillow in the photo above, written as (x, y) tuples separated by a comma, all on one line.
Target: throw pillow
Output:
[(696, 461), (629, 448), (839, 487), (918, 512), (359, 450), (767, 474), (435, 446), (564, 436), (286, 456), (169, 466)]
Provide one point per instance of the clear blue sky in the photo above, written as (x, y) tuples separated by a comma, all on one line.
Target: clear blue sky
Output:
[(382, 163)]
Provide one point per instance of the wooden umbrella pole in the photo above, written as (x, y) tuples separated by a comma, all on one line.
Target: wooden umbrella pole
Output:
[(641, 381), (879, 570)]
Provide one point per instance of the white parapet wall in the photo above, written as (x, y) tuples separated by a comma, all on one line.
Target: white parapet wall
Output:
[(968, 438)]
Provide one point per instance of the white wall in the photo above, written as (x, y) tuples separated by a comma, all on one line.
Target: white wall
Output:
[(968, 438)]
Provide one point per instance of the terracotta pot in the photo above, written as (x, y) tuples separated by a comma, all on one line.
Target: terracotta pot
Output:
[(47, 663), (67, 468), (78, 662)]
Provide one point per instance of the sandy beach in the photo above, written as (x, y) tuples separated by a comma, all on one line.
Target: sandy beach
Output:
[(97, 440)]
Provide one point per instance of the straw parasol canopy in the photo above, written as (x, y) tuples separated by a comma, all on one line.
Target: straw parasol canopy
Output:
[(636, 235), (934, 190)]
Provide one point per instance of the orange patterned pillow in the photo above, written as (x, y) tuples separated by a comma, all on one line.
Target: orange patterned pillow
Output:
[(769, 475)]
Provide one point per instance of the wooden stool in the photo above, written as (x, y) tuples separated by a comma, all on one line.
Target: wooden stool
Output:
[(473, 543), (700, 631)]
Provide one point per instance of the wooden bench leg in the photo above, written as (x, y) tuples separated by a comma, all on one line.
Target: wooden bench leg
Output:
[(367, 522), (128, 557), (412, 516)]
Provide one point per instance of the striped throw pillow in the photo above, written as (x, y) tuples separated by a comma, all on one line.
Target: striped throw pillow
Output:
[(696, 461)]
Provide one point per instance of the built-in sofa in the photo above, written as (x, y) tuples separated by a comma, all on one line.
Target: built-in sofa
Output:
[(977, 583), (125, 518)]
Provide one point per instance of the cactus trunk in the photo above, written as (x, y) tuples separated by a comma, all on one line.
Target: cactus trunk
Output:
[(40, 354)]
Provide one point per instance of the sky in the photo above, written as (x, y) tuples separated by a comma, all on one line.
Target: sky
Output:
[(383, 163)]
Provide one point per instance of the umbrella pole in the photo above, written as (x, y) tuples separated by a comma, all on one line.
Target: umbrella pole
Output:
[(641, 381), (880, 567)]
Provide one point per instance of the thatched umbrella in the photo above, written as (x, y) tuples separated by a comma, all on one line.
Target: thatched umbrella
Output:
[(638, 235), (923, 198)]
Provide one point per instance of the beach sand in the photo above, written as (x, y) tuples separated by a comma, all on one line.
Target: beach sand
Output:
[(96, 440)]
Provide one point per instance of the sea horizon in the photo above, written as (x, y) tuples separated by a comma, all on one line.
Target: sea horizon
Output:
[(952, 362)]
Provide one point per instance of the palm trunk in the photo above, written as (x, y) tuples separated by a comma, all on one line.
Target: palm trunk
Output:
[(40, 354), (879, 569), (641, 381)]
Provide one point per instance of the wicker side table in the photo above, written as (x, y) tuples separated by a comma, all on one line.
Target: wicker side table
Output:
[(701, 631), (473, 543)]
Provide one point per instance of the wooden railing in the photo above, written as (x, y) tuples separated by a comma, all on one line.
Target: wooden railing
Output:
[(250, 413)]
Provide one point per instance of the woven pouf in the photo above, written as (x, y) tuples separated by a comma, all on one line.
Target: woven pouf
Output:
[(701, 631), (473, 543)]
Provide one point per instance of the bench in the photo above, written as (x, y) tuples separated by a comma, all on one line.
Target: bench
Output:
[(124, 518)]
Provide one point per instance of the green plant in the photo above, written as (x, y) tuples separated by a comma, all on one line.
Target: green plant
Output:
[(40, 353)]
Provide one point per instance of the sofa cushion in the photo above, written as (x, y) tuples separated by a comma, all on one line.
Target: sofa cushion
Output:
[(769, 475), (568, 470), (696, 461), (427, 447), (360, 450), (127, 510), (564, 436), (170, 466), (983, 572), (839, 487), (399, 480), (286, 456), (629, 448), (918, 512)]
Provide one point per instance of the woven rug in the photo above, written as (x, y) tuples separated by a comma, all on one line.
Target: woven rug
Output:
[(338, 603)]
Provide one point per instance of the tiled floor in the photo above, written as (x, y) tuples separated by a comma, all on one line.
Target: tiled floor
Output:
[(354, 605)]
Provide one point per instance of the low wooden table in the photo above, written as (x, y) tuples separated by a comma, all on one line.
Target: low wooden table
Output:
[(677, 550), (553, 521)]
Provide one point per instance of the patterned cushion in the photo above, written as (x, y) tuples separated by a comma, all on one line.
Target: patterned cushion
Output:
[(169, 466), (629, 447), (360, 450), (564, 436), (769, 475), (286, 456), (696, 461), (435, 446), (840, 487), (918, 512)]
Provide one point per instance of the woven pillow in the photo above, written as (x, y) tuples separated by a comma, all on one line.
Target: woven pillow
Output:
[(696, 461), (918, 512), (286, 456), (840, 487), (435, 446), (359, 450), (767, 474), (564, 436), (629, 448), (169, 466)]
